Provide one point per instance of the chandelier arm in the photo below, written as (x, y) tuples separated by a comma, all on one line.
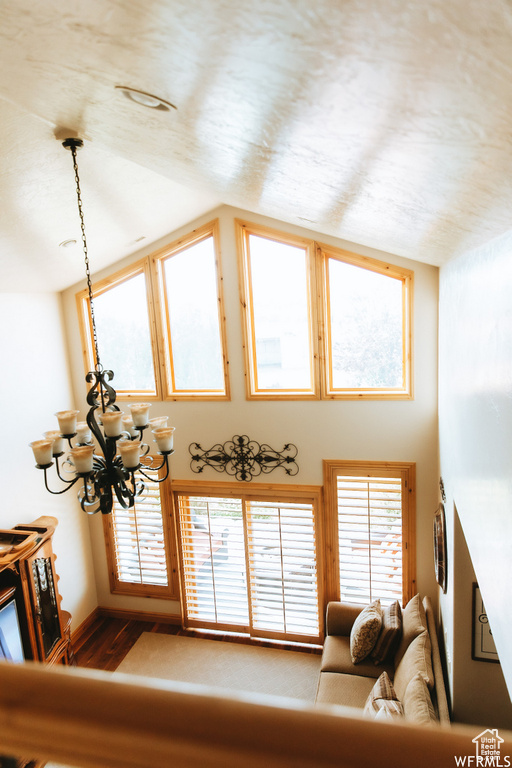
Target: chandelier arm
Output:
[(124, 495), (165, 458), (138, 487), (89, 507), (57, 493), (165, 464), (63, 479)]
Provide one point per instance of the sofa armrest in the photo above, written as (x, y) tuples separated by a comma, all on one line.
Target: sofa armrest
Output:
[(340, 617), (443, 709)]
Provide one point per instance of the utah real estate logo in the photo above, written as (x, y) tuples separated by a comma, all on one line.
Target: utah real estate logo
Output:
[(488, 752)]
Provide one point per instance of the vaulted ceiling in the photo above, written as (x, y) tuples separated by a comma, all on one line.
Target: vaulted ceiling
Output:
[(386, 123)]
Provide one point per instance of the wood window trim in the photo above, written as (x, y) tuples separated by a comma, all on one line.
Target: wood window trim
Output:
[(407, 470), (243, 230), (260, 492), (85, 324), (150, 266), (318, 255), (172, 590), (211, 229), (406, 276)]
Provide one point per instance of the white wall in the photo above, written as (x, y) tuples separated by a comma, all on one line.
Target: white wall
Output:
[(34, 385), (480, 694), (370, 430), (476, 434)]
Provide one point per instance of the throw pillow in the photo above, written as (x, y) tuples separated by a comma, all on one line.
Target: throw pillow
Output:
[(388, 710), (417, 703), (382, 697), (365, 631), (383, 689), (390, 634), (414, 622), (417, 658)]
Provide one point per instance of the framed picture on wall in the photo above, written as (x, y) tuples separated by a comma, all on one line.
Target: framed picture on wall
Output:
[(440, 546), (482, 646)]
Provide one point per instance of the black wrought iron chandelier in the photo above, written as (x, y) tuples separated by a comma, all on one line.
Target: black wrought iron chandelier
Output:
[(114, 463)]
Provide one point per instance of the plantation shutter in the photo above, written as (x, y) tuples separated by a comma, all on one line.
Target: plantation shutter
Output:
[(370, 538), (213, 561), (282, 566), (250, 565), (138, 543)]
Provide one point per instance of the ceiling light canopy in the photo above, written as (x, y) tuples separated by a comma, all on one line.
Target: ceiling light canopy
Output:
[(146, 99)]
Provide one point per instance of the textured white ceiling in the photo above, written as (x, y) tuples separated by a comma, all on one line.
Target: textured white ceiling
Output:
[(384, 123)]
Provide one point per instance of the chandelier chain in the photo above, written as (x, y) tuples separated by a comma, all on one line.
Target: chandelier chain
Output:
[(73, 148)]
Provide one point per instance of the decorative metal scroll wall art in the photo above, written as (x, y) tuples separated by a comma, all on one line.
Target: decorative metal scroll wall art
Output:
[(244, 458)]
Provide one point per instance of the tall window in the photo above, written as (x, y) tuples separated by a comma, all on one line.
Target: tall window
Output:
[(278, 320), (367, 327), (249, 562), (160, 323), (370, 514), (123, 320), (192, 316), (140, 554), (358, 308)]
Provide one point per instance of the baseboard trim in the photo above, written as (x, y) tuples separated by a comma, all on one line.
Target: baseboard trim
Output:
[(156, 618), (83, 628)]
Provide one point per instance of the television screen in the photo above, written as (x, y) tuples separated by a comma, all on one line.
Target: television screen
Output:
[(11, 647)]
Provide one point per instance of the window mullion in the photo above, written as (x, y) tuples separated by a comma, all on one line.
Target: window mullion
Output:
[(246, 517)]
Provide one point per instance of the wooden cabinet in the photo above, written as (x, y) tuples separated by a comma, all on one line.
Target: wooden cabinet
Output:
[(27, 566), (33, 627)]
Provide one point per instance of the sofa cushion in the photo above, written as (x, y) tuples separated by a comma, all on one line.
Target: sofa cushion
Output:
[(390, 634), (417, 703), (336, 658), (414, 622), (343, 690), (365, 631), (417, 658)]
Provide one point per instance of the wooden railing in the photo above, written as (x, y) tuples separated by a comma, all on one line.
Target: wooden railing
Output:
[(94, 719)]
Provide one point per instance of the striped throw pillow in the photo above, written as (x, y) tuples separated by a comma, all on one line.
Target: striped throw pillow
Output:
[(390, 634), (383, 703)]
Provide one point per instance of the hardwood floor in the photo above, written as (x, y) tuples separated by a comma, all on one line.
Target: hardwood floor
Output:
[(108, 640)]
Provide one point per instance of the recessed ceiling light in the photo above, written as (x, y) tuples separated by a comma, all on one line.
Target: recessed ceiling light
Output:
[(145, 99), (67, 243)]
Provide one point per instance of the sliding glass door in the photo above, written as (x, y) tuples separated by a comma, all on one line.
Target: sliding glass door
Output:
[(249, 564)]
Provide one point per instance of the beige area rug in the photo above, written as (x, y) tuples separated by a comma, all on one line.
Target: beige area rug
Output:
[(231, 666)]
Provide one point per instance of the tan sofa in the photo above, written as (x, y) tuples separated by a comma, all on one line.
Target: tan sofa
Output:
[(344, 683)]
